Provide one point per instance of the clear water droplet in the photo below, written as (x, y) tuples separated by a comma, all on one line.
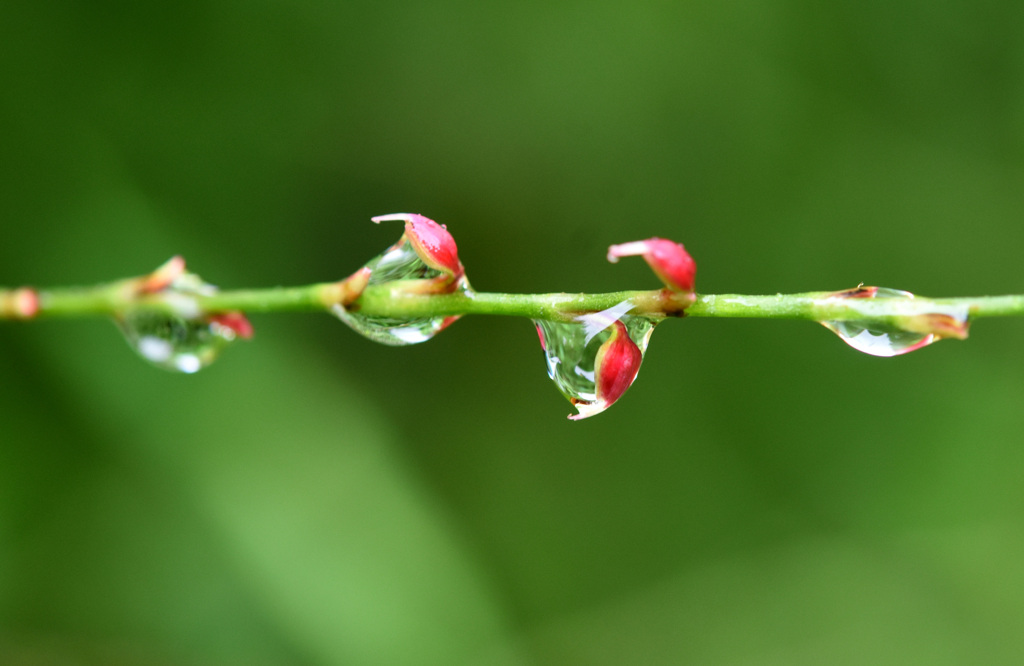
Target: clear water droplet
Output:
[(571, 349), (175, 343), (400, 262), (892, 339), (182, 342)]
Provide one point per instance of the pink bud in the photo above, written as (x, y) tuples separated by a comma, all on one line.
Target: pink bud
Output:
[(615, 368), (348, 290), (26, 302), (670, 261), (234, 321), (21, 303), (163, 276), (431, 241)]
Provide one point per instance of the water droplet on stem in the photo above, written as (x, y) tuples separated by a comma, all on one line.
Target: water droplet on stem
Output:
[(899, 335), (398, 263), (187, 340), (572, 350), (175, 343)]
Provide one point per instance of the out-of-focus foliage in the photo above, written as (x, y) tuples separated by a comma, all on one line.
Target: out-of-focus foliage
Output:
[(762, 495)]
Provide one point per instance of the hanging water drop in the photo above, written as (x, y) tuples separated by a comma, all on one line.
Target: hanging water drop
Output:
[(175, 343), (595, 358), (399, 263), (898, 335), (187, 340)]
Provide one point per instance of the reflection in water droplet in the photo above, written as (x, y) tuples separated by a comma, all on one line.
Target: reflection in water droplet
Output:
[(399, 263), (892, 339), (571, 350), (186, 341), (175, 343)]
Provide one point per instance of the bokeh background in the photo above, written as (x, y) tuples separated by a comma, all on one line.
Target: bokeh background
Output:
[(762, 495)]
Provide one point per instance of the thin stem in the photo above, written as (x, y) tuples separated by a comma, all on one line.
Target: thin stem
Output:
[(388, 300)]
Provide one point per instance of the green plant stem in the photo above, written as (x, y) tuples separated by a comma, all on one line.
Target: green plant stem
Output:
[(388, 300)]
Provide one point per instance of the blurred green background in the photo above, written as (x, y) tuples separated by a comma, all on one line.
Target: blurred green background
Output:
[(762, 495)]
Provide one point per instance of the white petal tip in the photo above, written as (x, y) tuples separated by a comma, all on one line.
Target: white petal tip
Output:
[(393, 217), (627, 250), (587, 409)]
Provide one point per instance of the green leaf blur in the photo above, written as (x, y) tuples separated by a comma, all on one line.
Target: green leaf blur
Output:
[(762, 495)]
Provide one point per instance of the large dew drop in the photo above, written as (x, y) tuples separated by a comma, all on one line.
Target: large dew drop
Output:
[(571, 351), (186, 341), (893, 339), (400, 262)]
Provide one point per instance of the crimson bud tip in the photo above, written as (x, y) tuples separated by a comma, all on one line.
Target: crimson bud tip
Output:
[(615, 368), (669, 260), (431, 242)]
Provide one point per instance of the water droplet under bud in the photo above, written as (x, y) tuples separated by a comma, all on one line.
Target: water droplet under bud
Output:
[(900, 334), (175, 343), (185, 340), (594, 359), (399, 263)]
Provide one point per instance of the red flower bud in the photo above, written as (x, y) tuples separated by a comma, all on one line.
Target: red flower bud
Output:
[(21, 303), (163, 276), (618, 361), (345, 292), (431, 242), (236, 322), (669, 260)]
